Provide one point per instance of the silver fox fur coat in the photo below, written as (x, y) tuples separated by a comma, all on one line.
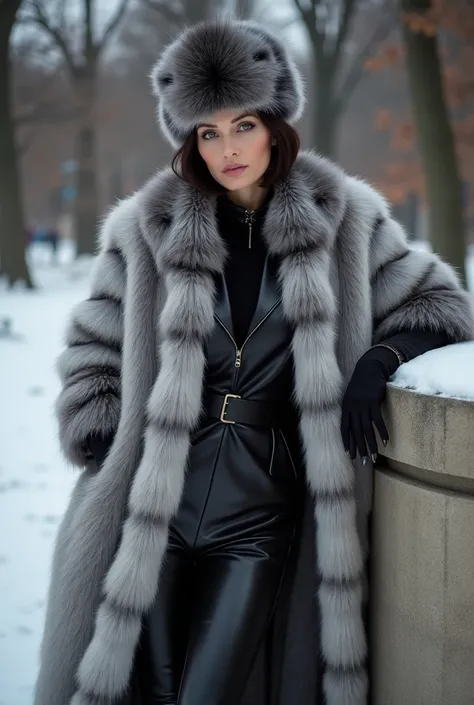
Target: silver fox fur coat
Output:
[(134, 366)]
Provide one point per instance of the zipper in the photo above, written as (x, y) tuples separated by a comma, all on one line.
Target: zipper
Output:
[(250, 220), (238, 351)]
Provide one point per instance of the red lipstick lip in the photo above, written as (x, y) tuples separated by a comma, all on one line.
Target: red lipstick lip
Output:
[(233, 167)]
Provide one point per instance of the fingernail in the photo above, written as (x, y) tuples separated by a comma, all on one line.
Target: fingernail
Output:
[(364, 460), (347, 452), (374, 457), (385, 441)]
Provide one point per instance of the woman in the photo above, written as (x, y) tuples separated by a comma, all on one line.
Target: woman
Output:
[(246, 312)]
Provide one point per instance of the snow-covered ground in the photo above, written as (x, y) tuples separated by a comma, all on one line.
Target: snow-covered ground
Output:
[(34, 480)]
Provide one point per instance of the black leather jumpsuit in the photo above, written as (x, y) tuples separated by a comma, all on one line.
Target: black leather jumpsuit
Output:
[(230, 541)]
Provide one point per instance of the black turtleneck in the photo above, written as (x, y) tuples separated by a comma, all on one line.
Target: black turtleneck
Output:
[(245, 264)]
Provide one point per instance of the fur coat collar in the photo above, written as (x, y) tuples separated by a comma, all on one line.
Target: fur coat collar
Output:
[(348, 279)]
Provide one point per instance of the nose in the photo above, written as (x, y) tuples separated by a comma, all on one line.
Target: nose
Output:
[(230, 147)]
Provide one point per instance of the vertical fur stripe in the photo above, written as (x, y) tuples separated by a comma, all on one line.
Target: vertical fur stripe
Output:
[(79, 699), (176, 396), (345, 646), (192, 294), (329, 470), (339, 551), (157, 487), (346, 688), (133, 577), (305, 295), (106, 666), (319, 384)]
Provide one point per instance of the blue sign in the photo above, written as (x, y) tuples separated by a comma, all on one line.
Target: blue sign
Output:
[(68, 193)]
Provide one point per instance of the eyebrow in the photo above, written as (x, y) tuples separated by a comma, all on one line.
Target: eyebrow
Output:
[(206, 124)]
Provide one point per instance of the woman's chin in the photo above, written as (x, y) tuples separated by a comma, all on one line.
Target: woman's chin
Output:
[(237, 183)]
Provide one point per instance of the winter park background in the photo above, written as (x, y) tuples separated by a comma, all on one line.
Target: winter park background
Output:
[(77, 132)]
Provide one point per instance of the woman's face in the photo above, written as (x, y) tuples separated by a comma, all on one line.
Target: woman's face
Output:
[(236, 148)]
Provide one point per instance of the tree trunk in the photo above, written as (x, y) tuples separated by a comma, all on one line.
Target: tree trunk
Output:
[(86, 204), (326, 117), (436, 143), (12, 230), (325, 130), (243, 9)]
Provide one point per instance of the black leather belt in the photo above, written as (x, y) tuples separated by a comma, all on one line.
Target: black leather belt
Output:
[(230, 408)]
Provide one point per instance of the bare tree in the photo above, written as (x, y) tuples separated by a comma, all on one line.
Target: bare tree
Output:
[(12, 229), (343, 35), (83, 66), (435, 135)]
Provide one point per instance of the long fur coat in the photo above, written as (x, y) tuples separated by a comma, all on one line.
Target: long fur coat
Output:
[(133, 366)]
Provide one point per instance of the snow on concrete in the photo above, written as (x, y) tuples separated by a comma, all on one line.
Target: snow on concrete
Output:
[(447, 372)]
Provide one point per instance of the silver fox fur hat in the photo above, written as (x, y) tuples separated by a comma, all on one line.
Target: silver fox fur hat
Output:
[(224, 64)]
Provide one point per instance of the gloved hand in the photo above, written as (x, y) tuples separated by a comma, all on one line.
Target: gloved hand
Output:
[(362, 402)]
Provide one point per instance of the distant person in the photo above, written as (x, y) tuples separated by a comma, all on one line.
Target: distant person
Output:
[(52, 238), (248, 306)]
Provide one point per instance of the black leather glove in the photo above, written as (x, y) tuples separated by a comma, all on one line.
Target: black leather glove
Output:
[(361, 406), (362, 402)]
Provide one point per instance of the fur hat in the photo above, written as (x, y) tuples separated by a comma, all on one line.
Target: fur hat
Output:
[(224, 64)]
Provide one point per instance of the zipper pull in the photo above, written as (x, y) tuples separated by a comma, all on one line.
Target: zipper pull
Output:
[(250, 219), (238, 358)]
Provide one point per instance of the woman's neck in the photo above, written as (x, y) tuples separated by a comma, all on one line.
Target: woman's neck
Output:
[(251, 197)]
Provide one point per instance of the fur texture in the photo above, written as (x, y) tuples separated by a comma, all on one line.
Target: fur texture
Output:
[(224, 64), (348, 278)]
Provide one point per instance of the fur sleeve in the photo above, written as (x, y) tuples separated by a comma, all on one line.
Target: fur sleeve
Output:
[(413, 289), (90, 366)]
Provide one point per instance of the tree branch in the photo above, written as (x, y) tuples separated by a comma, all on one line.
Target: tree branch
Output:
[(172, 16), (113, 24), (308, 15), (42, 21), (358, 64), (347, 16)]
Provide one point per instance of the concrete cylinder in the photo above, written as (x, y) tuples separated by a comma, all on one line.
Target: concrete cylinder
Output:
[(422, 565)]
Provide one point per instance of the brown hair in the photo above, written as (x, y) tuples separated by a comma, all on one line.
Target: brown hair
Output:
[(190, 166)]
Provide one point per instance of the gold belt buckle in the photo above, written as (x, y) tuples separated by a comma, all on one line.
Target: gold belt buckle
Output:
[(224, 406)]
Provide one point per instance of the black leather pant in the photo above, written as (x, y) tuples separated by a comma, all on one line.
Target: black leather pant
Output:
[(225, 562)]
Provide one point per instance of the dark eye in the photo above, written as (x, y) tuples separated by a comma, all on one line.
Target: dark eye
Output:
[(261, 55), (207, 135), (166, 80)]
